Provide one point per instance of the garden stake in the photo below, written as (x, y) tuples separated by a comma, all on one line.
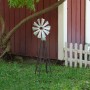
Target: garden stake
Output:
[(42, 28)]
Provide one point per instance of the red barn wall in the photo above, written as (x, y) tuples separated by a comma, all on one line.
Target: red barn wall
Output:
[(76, 21), (23, 41)]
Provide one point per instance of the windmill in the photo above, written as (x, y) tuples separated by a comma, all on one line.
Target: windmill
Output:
[(41, 29)]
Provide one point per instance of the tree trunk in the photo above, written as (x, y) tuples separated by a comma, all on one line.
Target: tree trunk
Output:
[(4, 47)]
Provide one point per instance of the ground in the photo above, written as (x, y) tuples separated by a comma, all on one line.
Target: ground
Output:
[(21, 76)]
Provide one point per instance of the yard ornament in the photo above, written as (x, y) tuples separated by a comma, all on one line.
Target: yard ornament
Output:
[(41, 28)]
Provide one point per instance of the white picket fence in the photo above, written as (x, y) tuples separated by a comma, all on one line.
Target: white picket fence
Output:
[(76, 56)]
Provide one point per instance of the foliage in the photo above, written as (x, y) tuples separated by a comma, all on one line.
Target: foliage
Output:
[(22, 3), (14, 76)]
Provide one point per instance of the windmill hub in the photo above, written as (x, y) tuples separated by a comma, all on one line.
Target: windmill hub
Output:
[(41, 28)]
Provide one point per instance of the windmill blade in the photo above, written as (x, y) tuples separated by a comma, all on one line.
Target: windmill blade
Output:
[(35, 24), (43, 36), (46, 23), (47, 28), (43, 39), (42, 21), (35, 28), (38, 22), (39, 35), (46, 32), (36, 32)]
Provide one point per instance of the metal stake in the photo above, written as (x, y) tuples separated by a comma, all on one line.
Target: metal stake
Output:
[(43, 56)]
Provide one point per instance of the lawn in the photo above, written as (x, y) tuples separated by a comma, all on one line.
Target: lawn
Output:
[(20, 76)]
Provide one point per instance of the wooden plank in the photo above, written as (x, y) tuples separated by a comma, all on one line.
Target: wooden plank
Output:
[(71, 56), (73, 21), (69, 21), (22, 33), (2, 13), (9, 22), (54, 31), (66, 56), (17, 33), (7, 16), (34, 40), (2, 4), (86, 58), (80, 59), (12, 23), (40, 6), (76, 55), (56, 34), (83, 21), (47, 17), (78, 22), (28, 34)]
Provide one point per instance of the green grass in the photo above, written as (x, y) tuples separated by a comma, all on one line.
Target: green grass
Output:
[(16, 76)]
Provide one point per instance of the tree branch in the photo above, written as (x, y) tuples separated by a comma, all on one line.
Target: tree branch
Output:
[(31, 17)]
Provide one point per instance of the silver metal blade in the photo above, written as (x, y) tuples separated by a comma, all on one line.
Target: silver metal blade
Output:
[(43, 36), (35, 24), (46, 32), (36, 32), (39, 35), (38, 20), (42, 21), (46, 23), (35, 28), (47, 27)]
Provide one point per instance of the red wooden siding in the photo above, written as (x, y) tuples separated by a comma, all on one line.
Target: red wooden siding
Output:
[(24, 42), (54, 32), (76, 21)]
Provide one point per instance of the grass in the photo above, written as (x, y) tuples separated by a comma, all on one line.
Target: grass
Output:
[(19, 76)]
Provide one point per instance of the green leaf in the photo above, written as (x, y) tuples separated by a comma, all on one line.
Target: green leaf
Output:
[(23, 3)]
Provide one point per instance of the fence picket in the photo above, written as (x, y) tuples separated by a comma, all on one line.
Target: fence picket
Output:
[(80, 59), (86, 50), (71, 57), (76, 47), (66, 61)]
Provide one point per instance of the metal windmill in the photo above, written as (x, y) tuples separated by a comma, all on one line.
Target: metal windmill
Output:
[(41, 29)]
